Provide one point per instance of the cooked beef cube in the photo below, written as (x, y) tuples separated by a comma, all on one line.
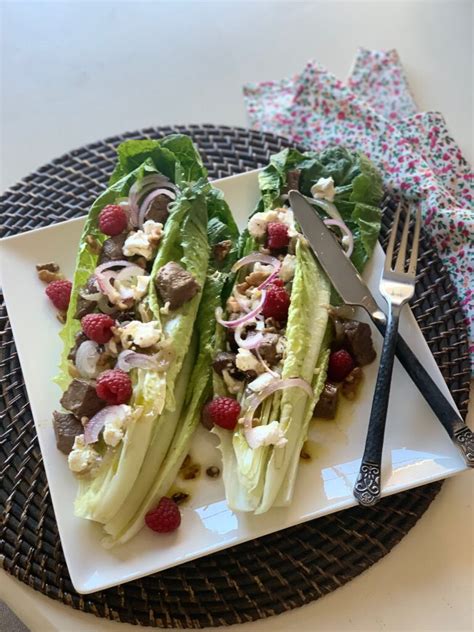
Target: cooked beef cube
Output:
[(81, 399), (83, 305), (293, 180), (112, 248), (327, 404), (66, 429), (175, 285), (158, 209), (221, 250), (358, 341), (223, 360), (268, 349), (80, 338)]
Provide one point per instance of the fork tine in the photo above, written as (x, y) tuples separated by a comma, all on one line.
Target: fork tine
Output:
[(416, 239), (391, 241), (400, 264)]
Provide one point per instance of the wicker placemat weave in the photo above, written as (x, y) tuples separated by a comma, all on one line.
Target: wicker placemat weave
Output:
[(254, 580)]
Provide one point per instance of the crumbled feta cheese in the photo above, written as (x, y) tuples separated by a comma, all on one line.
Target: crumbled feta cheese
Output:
[(257, 225), (271, 434), (143, 242), (259, 383), (246, 361), (324, 189), (141, 334), (263, 267), (233, 386), (114, 427), (82, 457), (288, 267), (134, 287)]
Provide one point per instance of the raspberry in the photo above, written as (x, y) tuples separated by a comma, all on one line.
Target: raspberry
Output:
[(223, 412), (340, 365), (277, 302), (112, 220), (277, 236), (165, 517), (97, 327), (114, 386), (59, 293)]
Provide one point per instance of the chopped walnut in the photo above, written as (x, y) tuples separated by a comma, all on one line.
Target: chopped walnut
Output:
[(255, 278), (232, 305), (48, 272), (221, 250), (352, 382), (61, 315), (242, 287), (94, 245)]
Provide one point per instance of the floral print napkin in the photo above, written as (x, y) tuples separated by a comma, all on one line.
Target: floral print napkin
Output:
[(375, 112)]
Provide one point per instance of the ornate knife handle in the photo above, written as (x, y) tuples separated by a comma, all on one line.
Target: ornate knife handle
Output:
[(367, 489), (463, 437)]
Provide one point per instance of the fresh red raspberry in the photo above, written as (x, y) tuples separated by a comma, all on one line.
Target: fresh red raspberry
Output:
[(340, 365), (114, 386), (165, 517), (59, 293), (98, 327), (277, 302), (223, 412), (277, 236), (112, 220)]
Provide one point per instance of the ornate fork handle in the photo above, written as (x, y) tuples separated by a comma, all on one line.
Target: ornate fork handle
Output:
[(463, 437)]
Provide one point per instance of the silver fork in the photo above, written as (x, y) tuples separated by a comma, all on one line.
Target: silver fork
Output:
[(397, 287)]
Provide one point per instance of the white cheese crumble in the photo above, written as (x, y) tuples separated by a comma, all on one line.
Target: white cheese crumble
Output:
[(135, 287), (324, 189), (271, 434), (246, 361), (143, 242), (259, 383), (82, 456), (288, 268), (114, 427), (141, 334)]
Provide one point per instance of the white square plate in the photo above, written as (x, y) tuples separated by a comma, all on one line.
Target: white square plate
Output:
[(417, 449)]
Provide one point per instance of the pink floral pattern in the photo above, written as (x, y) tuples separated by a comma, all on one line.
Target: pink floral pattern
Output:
[(375, 113)]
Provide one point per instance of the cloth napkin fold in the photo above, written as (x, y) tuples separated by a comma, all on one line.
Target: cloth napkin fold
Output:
[(374, 112)]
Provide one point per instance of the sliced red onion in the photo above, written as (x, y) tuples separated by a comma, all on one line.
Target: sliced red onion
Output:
[(87, 355), (97, 422), (120, 263), (128, 360), (329, 207), (103, 276), (138, 189), (149, 199), (278, 385), (232, 324), (260, 258), (125, 275), (91, 297), (104, 306), (347, 234), (252, 341)]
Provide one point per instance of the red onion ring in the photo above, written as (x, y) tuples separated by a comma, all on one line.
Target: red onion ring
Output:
[(149, 199), (97, 422), (103, 278), (126, 274), (87, 355), (340, 224), (232, 324), (129, 359), (252, 341), (138, 189), (260, 258), (255, 401)]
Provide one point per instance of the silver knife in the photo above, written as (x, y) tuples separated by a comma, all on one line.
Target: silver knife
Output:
[(354, 291)]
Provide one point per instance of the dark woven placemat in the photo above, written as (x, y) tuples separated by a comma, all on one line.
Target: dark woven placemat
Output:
[(253, 580)]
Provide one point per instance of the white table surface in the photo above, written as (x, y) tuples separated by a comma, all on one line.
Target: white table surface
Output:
[(75, 72)]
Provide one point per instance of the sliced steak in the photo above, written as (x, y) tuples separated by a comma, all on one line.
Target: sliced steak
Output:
[(66, 429), (175, 285), (81, 399), (80, 338), (112, 249), (268, 349), (326, 407), (83, 305), (358, 341), (158, 209)]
